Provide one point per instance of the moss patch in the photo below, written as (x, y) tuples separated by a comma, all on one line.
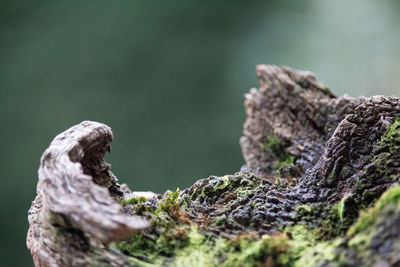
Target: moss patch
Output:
[(225, 184), (277, 148), (368, 217), (184, 244), (168, 233), (134, 201), (388, 152), (297, 246)]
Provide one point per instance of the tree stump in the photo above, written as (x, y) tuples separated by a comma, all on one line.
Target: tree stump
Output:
[(319, 188)]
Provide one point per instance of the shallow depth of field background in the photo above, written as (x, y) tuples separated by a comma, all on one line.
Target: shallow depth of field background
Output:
[(169, 78)]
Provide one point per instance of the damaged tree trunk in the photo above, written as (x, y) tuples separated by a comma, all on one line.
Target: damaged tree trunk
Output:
[(319, 188)]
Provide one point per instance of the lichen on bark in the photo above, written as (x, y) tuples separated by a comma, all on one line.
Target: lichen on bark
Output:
[(320, 188)]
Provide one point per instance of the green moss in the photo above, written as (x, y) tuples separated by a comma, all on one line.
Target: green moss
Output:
[(243, 192), (199, 252), (341, 209), (220, 221), (165, 237), (387, 151), (138, 263), (134, 200), (274, 144), (141, 209), (326, 220), (368, 217), (332, 179), (305, 249), (156, 250), (277, 148), (360, 235), (347, 209), (392, 136), (320, 253), (109, 184), (306, 211), (304, 208), (297, 246), (285, 161), (247, 250), (332, 220), (226, 184), (175, 242), (221, 184), (170, 203), (328, 225)]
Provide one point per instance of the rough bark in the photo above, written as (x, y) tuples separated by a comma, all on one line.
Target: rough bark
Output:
[(293, 107), (320, 188), (75, 214)]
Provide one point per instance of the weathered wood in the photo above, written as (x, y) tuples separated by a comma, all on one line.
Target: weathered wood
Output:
[(75, 191), (292, 106), (314, 162)]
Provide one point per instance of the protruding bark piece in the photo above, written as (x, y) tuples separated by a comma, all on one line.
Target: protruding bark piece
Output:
[(295, 110), (75, 191)]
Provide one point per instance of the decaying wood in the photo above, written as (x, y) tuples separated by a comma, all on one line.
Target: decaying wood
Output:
[(75, 190), (313, 160), (292, 106)]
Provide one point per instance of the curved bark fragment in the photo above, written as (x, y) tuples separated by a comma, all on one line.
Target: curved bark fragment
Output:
[(75, 190)]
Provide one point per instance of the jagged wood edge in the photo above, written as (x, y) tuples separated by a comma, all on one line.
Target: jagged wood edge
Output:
[(74, 197)]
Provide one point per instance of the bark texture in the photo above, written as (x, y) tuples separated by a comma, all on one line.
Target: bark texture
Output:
[(292, 106), (75, 214), (320, 188)]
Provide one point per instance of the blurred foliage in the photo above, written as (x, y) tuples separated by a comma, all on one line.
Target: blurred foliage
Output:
[(169, 78)]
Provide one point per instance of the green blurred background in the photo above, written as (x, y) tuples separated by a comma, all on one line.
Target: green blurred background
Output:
[(169, 78)]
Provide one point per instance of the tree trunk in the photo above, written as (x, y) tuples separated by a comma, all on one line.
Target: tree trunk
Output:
[(319, 188)]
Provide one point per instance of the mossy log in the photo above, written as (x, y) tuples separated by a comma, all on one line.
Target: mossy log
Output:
[(320, 188)]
